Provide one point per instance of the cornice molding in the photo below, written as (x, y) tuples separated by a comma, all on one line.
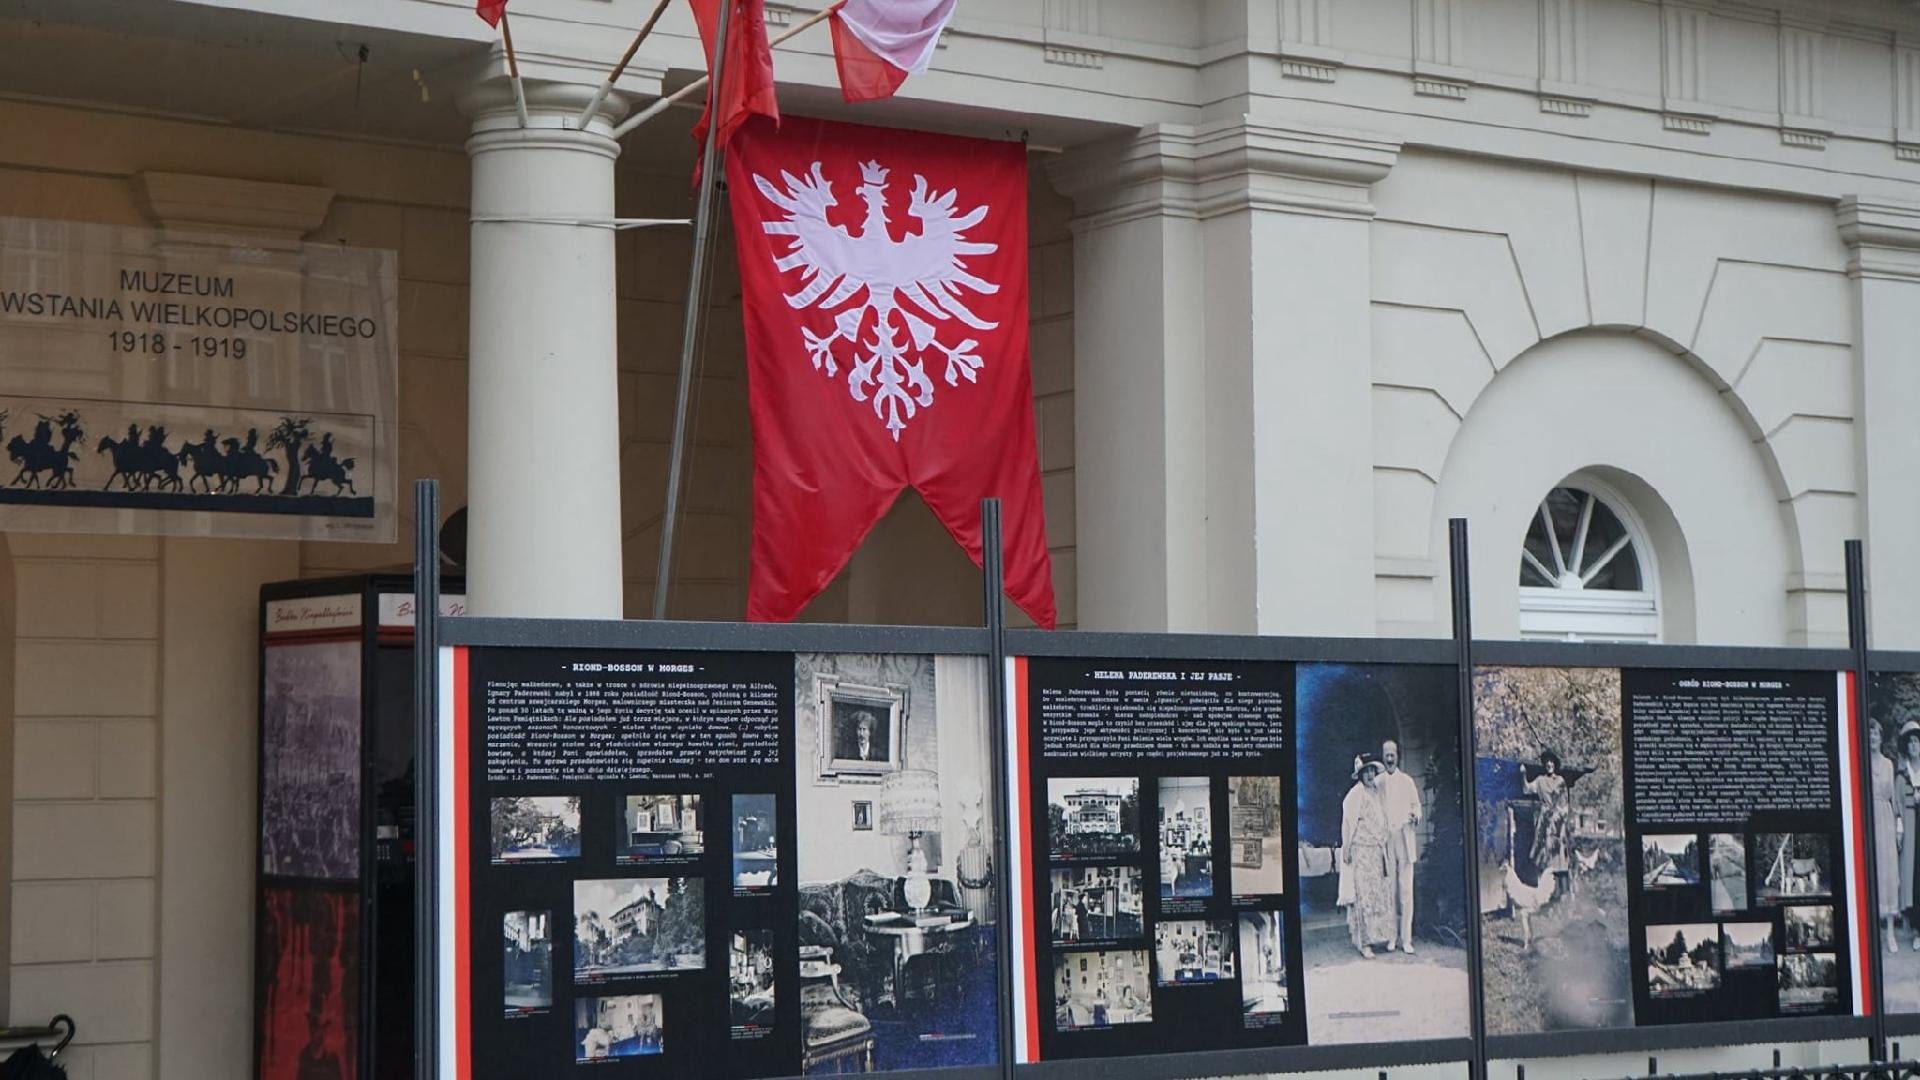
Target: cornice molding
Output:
[(1882, 238), (1222, 167)]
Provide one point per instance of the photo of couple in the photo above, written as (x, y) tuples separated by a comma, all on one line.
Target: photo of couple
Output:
[(1381, 834), (1379, 844)]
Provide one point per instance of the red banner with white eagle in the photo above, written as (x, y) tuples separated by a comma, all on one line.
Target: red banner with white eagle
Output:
[(884, 277)]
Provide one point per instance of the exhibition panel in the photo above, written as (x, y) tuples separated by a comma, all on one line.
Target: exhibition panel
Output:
[(755, 857), (1893, 798), (767, 851), (1674, 839), (1230, 852)]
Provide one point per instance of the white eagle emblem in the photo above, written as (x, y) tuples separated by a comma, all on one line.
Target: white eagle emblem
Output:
[(925, 271)]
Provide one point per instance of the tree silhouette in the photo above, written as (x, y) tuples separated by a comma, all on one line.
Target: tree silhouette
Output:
[(288, 436), (1677, 949)]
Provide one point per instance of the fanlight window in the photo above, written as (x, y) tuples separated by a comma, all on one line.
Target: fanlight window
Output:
[(1584, 574)]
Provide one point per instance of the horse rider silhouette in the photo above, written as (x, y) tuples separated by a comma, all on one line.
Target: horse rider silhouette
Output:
[(321, 465)]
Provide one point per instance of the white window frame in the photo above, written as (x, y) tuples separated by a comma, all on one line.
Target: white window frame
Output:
[(1571, 614)]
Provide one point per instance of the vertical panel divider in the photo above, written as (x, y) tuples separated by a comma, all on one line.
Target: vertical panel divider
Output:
[(992, 586), (426, 793), (1863, 764), (1470, 808)]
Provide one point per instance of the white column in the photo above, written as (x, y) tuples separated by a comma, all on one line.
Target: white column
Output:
[(1883, 240), (1223, 378), (543, 419), (1139, 469)]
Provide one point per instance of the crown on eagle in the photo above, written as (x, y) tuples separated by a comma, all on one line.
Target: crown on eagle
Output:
[(872, 173)]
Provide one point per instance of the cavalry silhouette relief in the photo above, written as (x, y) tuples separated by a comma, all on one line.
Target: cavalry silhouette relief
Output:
[(280, 472)]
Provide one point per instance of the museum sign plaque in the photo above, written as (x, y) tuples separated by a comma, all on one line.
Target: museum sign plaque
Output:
[(154, 385)]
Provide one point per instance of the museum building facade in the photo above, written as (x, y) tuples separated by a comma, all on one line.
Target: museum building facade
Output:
[(1631, 285)]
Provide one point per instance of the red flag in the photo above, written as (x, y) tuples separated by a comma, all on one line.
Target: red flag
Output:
[(878, 43), (884, 277), (746, 77), (490, 10)]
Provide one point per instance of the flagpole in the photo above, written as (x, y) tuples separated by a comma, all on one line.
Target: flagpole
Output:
[(600, 95), (702, 221), (513, 69), (693, 87)]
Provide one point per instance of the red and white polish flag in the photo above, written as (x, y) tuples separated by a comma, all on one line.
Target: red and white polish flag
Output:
[(878, 43), (883, 275)]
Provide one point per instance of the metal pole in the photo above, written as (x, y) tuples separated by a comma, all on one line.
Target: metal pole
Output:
[(702, 221), (426, 790), (1463, 658), (600, 95), (993, 588), (1863, 762)]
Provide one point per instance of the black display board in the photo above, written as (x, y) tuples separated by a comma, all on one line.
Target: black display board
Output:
[(719, 862), (1667, 843), (1202, 858), (1894, 804), (1220, 870)]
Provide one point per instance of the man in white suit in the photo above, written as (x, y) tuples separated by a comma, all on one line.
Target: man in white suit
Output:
[(1403, 836)]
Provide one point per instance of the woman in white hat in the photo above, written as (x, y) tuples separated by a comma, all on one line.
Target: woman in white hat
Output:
[(1887, 832), (1366, 869), (1907, 828)]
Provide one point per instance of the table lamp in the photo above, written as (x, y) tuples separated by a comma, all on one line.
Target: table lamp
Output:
[(910, 807)]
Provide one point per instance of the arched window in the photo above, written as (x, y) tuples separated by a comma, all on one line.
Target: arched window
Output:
[(1586, 571)]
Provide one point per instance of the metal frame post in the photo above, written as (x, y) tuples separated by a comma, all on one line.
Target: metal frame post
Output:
[(1863, 761), (1470, 809), (426, 788), (992, 587)]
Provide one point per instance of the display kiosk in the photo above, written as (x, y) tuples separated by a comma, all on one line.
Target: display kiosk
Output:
[(334, 936)]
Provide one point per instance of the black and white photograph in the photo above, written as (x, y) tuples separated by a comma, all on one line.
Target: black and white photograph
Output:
[(1791, 867), (1808, 928), (1263, 967), (638, 926), (756, 843), (310, 760), (528, 967), (1727, 871), (1683, 960), (1669, 860), (1809, 982), (1553, 868), (1255, 808), (865, 718), (1746, 945), (535, 828), (609, 1028), (1190, 952), (750, 981), (1106, 988), (1383, 907), (1096, 903), (1893, 737), (863, 732), (897, 924), (1089, 816), (655, 827), (1186, 837)]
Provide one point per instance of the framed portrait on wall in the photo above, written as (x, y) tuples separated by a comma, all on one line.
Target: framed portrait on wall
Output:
[(862, 729)]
